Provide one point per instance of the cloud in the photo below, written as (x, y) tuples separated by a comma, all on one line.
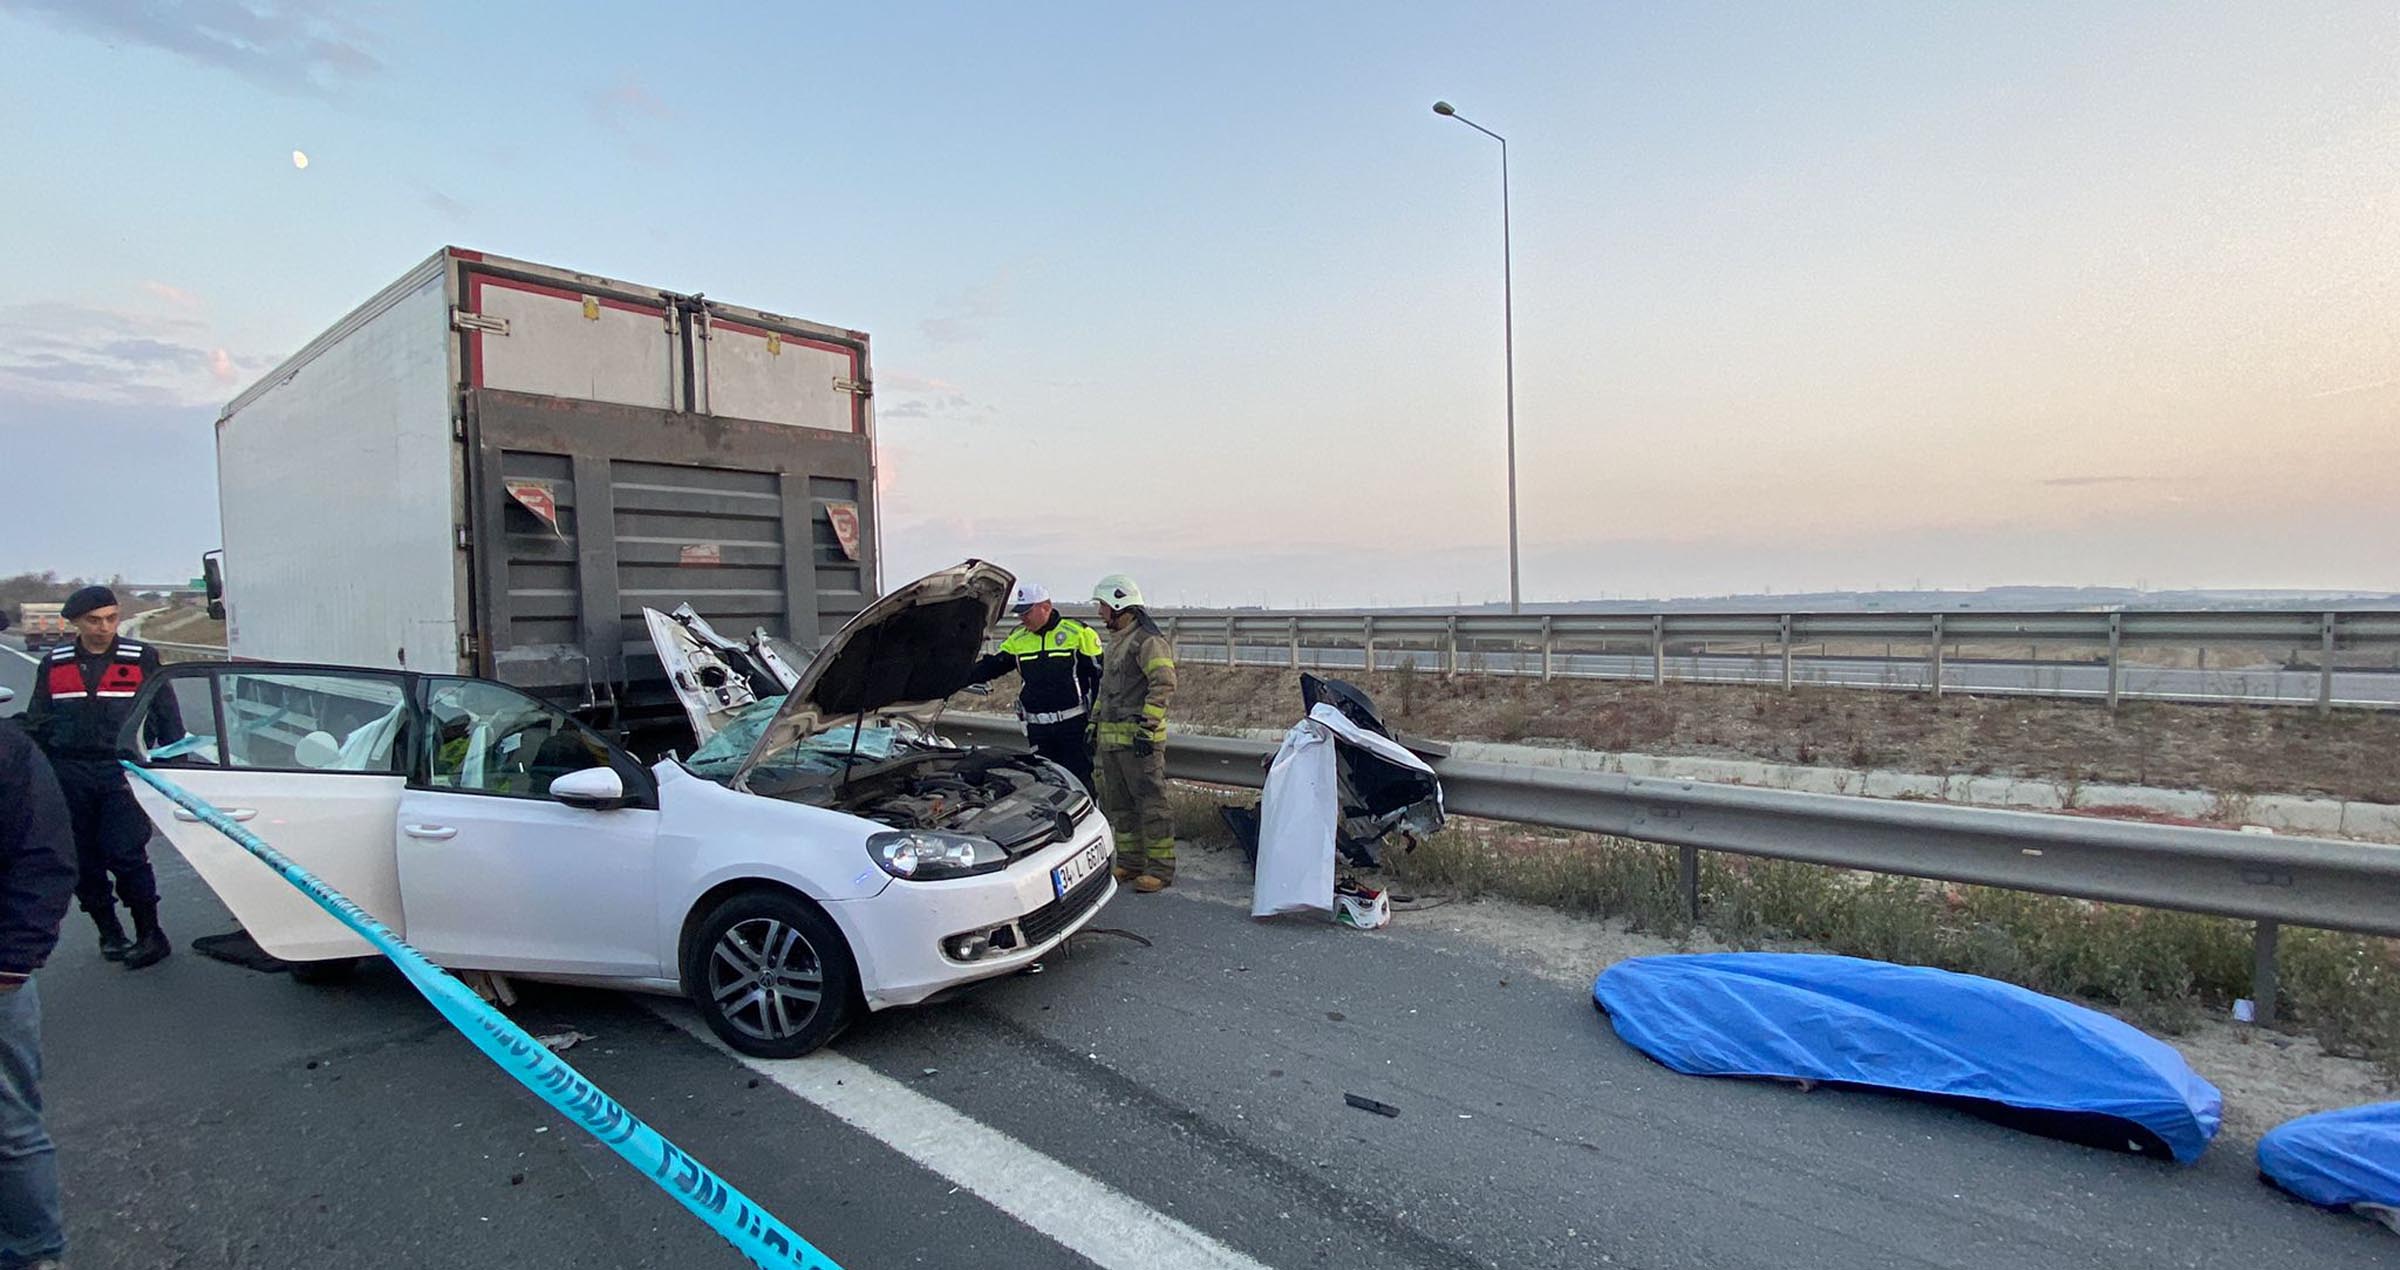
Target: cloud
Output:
[(292, 46), (446, 205), (944, 407), (975, 306), (632, 119), (109, 357), (168, 472), (173, 295), (901, 396), (902, 381), (626, 103)]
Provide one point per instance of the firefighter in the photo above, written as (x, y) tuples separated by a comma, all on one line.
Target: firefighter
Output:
[(82, 695), (1137, 679), (1058, 661)]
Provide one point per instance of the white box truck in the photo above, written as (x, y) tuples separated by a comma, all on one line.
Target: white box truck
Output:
[(492, 467)]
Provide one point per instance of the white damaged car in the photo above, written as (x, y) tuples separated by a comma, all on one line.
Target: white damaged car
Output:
[(820, 854)]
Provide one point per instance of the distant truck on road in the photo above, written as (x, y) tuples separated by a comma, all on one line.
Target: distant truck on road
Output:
[(493, 466), (45, 625)]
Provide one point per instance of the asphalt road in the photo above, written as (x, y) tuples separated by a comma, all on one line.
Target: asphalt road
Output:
[(2263, 684), (1175, 1104)]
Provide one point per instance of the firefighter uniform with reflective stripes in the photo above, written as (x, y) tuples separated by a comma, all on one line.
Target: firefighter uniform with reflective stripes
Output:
[(1059, 670), (1137, 680), (81, 700)]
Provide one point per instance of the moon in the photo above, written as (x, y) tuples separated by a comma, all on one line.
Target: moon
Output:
[(300, 158)]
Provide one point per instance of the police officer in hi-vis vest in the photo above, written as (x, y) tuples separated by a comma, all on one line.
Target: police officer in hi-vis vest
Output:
[(1058, 660)]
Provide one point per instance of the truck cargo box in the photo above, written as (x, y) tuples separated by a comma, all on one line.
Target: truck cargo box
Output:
[(493, 466)]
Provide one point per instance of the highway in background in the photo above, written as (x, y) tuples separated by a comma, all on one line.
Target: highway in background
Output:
[(2261, 683)]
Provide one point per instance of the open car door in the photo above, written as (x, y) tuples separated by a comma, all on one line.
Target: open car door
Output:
[(311, 759)]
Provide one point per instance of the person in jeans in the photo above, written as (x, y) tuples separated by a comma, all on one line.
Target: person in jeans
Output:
[(37, 876)]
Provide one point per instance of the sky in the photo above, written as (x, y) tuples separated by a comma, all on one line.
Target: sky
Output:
[(1806, 296)]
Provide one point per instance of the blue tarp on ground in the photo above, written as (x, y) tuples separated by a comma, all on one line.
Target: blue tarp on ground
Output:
[(1914, 1029), (2337, 1158)]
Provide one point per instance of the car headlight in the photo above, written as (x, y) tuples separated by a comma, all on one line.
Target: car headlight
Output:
[(926, 856)]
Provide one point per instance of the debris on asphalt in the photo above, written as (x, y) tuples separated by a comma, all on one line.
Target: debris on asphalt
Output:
[(1369, 1104), (489, 985), (1336, 1015), (560, 1042)]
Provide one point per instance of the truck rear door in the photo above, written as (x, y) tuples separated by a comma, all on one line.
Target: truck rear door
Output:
[(538, 337), (749, 365)]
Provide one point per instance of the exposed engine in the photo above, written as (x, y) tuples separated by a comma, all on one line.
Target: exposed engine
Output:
[(1021, 801)]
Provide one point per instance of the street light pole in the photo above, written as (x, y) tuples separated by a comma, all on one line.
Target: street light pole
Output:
[(1508, 343)]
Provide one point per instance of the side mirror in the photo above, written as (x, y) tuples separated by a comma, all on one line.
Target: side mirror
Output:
[(212, 578), (7, 695), (592, 789)]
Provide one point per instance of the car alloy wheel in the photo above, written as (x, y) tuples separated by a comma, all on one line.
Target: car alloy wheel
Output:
[(765, 978), (770, 973)]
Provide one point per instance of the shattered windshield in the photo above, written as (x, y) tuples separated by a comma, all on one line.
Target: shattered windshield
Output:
[(720, 757)]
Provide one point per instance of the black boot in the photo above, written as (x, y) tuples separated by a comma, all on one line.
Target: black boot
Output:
[(150, 945), (113, 944)]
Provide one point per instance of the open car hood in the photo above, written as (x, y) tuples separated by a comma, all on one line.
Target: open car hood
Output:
[(902, 655)]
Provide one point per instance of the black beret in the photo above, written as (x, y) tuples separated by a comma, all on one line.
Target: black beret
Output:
[(87, 599)]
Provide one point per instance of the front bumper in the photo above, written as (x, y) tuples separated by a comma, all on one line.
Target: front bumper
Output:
[(898, 934)]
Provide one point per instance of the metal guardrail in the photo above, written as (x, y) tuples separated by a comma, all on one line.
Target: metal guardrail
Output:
[(185, 652), (1535, 643), (2268, 879)]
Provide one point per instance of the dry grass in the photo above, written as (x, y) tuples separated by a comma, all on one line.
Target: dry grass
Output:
[(2228, 749), (184, 624)]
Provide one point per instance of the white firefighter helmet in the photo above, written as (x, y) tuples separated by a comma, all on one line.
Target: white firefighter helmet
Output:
[(1117, 592)]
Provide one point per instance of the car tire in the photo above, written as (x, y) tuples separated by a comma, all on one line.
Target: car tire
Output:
[(330, 972), (759, 956)]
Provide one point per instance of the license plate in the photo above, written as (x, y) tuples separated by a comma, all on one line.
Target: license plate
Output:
[(1079, 866)]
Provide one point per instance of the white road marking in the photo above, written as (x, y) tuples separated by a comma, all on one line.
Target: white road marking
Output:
[(1078, 1212), (22, 653)]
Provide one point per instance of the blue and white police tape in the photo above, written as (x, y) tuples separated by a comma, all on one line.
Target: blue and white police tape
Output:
[(745, 1225)]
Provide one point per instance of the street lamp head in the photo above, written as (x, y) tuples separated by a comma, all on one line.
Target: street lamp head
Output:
[(1444, 108)]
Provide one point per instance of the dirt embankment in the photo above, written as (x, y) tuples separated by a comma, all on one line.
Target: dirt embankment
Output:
[(2354, 754)]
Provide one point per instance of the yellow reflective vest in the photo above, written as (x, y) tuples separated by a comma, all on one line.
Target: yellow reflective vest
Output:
[(1137, 680)]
